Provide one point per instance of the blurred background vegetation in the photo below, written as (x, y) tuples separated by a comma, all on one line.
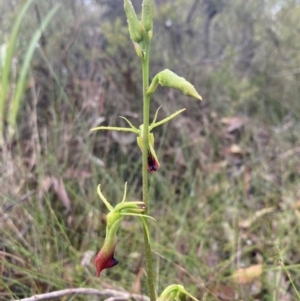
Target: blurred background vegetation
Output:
[(226, 198)]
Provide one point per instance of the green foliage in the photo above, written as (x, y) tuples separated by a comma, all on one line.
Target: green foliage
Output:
[(6, 64), (15, 107), (14, 103)]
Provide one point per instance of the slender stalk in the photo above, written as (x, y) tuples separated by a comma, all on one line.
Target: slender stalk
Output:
[(146, 109)]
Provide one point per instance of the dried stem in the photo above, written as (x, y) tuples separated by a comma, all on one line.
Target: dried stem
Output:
[(111, 294)]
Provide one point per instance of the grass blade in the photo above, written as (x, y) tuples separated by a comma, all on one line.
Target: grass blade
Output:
[(12, 117), (7, 64)]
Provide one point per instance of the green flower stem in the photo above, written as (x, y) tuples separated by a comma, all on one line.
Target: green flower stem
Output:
[(146, 109), (111, 234)]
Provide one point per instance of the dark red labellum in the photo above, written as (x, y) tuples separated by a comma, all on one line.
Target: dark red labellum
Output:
[(112, 262), (104, 260), (152, 163)]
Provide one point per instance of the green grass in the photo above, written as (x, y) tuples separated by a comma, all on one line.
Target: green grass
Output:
[(11, 107), (197, 239)]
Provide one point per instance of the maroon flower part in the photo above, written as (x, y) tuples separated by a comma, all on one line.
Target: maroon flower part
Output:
[(152, 162), (105, 259)]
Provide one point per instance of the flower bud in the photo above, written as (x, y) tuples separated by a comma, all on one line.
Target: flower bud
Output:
[(138, 50), (133, 22), (170, 79), (147, 14)]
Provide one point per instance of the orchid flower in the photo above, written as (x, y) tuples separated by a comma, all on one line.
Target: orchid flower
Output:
[(153, 162), (105, 257)]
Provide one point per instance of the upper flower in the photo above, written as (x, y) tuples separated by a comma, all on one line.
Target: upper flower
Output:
[(153, 162)]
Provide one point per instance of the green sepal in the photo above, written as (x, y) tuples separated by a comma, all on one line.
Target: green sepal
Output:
[(112, 227), (147, 14), (170, 79), (115, 128), (150, 34), (130, 207), (155, 124), (133, 22), (139, 140), (138, 49)]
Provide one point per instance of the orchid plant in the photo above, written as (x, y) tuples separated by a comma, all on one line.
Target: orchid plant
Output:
[(141, 32)]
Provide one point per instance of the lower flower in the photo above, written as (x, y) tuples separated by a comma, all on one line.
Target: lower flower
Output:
[(105, 258)]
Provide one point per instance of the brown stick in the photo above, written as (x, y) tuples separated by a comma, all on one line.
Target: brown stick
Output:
[(113, 295)]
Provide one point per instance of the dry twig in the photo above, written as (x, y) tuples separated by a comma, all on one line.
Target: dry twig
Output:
[(111, 294)]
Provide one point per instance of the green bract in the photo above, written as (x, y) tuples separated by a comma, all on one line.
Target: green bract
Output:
[(133, 22), (147, 14), (170, 79)]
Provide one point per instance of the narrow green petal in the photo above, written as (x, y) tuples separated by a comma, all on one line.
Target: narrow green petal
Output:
[(113, 128), (153, 125), (155, 116), (145, 225), (130, 124), (139, 215), (139, 141), (129, 206), (189, 295), (105, 201), (125, 192)]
